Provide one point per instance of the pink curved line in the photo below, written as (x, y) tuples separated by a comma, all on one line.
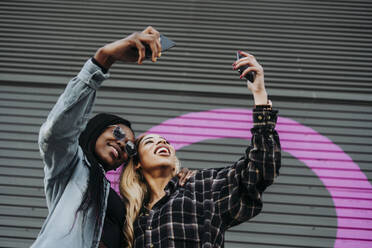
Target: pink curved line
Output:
[(350, 190)]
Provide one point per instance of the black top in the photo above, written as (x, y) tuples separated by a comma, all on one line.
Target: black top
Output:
[(112, 234)]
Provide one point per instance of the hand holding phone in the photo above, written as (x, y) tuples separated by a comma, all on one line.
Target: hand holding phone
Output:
[(165, 43), (126, 49), (250, 76)]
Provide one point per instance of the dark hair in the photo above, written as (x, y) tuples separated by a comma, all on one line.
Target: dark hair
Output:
[(87, 140), (137, 141)]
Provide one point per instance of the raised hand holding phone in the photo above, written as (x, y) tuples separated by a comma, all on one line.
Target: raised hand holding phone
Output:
[(134, 48), (254, 73)]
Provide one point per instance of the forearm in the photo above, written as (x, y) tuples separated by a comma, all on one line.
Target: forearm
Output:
[(58, 137), (265, 151), (104, 59), (260, 97)]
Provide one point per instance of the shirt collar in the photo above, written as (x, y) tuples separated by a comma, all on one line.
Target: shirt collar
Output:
[(169, 189), (172, 185)]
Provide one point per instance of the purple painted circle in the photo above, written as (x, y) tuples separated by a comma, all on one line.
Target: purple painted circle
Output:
[(347, 184)]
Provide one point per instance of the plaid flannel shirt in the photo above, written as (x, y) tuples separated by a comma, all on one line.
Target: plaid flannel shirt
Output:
[(198, 214)]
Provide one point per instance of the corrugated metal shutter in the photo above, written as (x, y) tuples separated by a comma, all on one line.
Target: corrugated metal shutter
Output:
[(317, 60)]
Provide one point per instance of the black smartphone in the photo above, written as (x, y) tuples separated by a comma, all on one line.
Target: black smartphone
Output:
[(165, 43), (250, 75)]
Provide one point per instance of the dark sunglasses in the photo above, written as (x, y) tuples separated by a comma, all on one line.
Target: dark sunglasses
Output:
[(119, 134)]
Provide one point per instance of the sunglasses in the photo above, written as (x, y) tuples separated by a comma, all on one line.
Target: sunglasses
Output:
[(119, 135)]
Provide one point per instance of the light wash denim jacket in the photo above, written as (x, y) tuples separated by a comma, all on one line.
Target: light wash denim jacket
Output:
[(66, 167)]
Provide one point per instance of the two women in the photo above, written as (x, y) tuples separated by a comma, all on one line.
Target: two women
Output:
[(85, 212), (162, 214)]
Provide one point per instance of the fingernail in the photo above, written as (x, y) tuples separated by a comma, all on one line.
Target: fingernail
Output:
[(241, 76)]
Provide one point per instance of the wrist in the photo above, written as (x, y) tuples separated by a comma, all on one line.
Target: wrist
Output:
[(103, 69), (266, 107), (103, 58), (260, 97)]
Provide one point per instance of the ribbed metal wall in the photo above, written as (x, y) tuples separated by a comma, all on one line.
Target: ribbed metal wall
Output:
[(317, 57)]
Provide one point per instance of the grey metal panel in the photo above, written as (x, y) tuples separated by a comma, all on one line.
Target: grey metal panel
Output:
[(317, 59), (296, 199)]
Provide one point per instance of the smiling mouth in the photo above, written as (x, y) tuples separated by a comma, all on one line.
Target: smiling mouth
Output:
[(115, 153), (162, 150)]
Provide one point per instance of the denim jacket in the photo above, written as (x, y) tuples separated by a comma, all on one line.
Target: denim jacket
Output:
[(67, 169)]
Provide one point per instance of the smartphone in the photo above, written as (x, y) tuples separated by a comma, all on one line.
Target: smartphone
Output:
[(250, 75), (165, 43)]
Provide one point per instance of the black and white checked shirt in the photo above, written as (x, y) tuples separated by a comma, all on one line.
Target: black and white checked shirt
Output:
[(198, 214)]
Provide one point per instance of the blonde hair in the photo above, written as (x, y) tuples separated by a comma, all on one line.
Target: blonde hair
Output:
[(134, 190)]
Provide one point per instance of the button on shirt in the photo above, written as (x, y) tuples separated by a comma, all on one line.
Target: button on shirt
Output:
[(198, 214)]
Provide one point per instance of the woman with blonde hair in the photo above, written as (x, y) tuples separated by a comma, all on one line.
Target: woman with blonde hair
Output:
[(162, 214)]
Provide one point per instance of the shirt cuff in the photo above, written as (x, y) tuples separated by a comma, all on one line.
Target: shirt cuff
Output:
[(92, 75), (103, 69), (264, 117)]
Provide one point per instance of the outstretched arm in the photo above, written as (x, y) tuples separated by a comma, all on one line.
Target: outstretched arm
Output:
[(240, 186)]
